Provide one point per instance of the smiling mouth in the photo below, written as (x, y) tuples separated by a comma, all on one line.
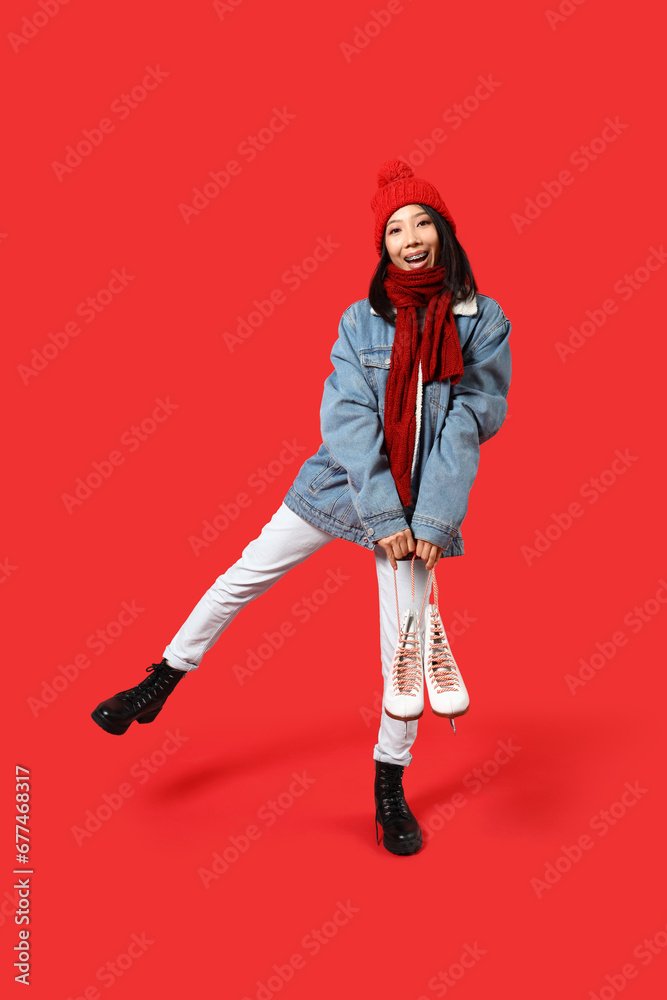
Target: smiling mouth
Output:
[(417, 258)]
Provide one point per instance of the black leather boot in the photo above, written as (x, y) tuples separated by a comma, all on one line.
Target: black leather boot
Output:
[(400, 830), (138, 704)]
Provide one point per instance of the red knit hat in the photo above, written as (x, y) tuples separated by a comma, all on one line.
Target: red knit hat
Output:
[(398, 186)]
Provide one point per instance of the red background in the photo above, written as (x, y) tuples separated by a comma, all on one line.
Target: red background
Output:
[(312, 706)]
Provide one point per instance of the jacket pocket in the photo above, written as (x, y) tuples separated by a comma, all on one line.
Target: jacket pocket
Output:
[(375, 362), (323, 477)]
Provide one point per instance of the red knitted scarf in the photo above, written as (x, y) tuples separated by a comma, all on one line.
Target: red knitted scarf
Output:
[(438, 349)]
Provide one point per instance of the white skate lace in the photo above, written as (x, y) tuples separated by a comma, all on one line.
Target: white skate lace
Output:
[(407, 667), (441, 664)]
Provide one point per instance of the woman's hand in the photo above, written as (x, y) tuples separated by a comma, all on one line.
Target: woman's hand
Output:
[(398, 546), (429, 552)]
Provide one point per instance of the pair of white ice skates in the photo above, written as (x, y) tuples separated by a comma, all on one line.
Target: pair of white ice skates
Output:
[(432, 667)]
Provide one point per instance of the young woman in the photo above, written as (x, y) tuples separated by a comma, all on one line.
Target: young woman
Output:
[(421, 375)]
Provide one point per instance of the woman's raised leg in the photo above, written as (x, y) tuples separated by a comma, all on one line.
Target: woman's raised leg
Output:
[(284, 542)]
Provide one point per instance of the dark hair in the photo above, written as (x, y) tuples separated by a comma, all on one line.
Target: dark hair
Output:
[(459, 278)]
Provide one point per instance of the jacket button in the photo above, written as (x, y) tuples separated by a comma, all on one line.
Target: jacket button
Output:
[(371, 531)]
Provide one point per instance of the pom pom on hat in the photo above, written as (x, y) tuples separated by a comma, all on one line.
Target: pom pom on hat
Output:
[(394, 170), (398, 186)]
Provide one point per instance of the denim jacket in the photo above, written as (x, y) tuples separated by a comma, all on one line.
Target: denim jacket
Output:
[(347, 487)]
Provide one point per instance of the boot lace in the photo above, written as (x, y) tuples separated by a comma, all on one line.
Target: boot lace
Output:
[(392, 798), (151, 686)]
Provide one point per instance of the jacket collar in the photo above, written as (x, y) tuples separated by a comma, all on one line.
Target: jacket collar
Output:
[(462, 307)]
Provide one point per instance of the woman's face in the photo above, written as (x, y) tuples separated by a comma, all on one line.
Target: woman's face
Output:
[(410, 233)]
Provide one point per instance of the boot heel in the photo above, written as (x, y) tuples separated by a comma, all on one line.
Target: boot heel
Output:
[(150, 717)]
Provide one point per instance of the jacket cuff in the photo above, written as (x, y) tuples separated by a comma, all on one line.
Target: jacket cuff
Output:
[(380, 526), (436, 532)]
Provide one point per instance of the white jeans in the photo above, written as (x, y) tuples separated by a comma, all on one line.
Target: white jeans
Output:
[(284, 542)]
